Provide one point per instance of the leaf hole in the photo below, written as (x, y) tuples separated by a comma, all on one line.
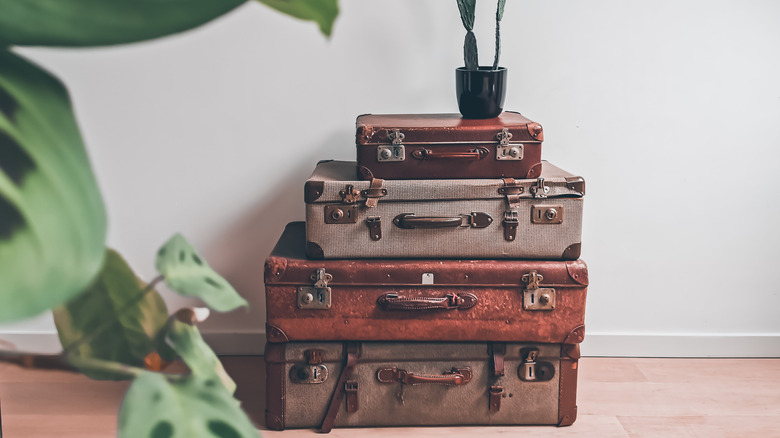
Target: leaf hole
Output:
[(14, 160), (222, 430), (212, 282), (162, 429), (197, 259)]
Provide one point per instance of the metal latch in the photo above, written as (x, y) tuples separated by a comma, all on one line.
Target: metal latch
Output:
[(341, 214), (313, 371), (391, 153), (540, 190), (506, 151), (396, 136), (349, 195), (317, 296), (531, 370), (535, 297), (547, 214)]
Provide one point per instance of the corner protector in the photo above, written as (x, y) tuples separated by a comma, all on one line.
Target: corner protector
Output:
[(364, 173), (273, 421), (576, 183), (572, 252), (568, 418), (536, 131), (534, 171), (576, 335), (275, 334), (570, 352), (312, 190), (274, 269), (578, 271), (314, 251)]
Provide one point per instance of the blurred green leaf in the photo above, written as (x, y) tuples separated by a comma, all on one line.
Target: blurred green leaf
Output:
[(188, 274), (185, 339), (323, 12), (102, 22), (187, 408), (52, 220), (117, 317)]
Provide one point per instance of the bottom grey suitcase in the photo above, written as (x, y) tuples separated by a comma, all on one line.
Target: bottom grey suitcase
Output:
[(326, 384)]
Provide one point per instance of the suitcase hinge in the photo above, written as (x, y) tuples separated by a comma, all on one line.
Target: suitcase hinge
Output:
[(510, 225), (535, 297), (374, 227), (540, 190), (317, 296)]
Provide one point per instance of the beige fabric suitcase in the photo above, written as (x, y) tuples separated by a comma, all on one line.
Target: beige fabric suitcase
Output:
[(538, 218), (326, 384)]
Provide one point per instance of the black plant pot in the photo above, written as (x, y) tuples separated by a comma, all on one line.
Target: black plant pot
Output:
[(480, 92)]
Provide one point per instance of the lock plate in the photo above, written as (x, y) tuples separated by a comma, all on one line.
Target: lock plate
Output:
[(547, 214), (509, 152), (341, 214), (535, 297), (312, 374), (391, 153), (317, 298)]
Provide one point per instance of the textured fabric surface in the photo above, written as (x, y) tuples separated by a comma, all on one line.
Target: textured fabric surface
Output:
[(426, 404)]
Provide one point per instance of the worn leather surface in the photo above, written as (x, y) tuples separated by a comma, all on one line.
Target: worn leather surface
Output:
[(379, 403), (356, 285), (448, 199), (448, 134)]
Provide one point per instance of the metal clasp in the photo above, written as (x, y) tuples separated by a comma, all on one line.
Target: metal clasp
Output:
[(374, 227), (317, 296), (349, 195), (527, 371), (510, 225), (396, 136), (540, 190), (535, 297), (504, 136)]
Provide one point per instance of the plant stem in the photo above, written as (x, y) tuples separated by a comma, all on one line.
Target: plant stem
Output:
[(101, 329)]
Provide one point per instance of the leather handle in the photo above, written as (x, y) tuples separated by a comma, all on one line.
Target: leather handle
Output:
[(474, 154), (411, 221), (458, 376), (461, 301)]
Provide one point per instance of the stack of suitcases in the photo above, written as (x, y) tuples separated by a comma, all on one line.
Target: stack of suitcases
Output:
[(436, 281)]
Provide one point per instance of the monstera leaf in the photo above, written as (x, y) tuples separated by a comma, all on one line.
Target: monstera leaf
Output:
[(323, 12), (185, 339), (116, 319), (191, 407), (102, 22), (188, 274), (52, 220)]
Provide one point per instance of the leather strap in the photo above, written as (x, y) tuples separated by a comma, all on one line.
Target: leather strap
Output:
[(352, 350), (374, 192), (512, 192), (498, 351)]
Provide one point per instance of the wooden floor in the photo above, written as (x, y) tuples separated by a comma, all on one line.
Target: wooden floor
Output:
[(617, 398)]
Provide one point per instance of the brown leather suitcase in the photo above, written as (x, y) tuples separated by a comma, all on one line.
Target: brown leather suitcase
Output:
[(434, 146), (421, 300), (326, 384)]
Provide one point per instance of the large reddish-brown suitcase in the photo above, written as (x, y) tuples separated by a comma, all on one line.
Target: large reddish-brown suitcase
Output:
[(439, 146), (421, 300), (326, 384)]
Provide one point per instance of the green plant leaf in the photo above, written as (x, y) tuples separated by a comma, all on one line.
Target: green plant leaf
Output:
[(185, 339), (323, 12), (500, 10), (116, 319), (52, 220), (470, 51), (102, 22), (467, 11), (188, 408), (188, 274)]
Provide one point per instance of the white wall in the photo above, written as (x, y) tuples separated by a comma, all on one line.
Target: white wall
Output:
[(670, 110)]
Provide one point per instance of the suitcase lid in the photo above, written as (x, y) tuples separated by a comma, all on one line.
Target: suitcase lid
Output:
[(376, 129), (288, 264), (330, 181)]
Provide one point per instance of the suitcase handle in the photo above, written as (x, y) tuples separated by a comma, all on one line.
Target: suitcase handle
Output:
[(458, 376), (474, 154), (461, 301), (474, 220)]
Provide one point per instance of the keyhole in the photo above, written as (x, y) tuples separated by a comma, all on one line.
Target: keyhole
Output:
[(532, 298)]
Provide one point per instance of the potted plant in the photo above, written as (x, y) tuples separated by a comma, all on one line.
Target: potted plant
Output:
[(480, 89)]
